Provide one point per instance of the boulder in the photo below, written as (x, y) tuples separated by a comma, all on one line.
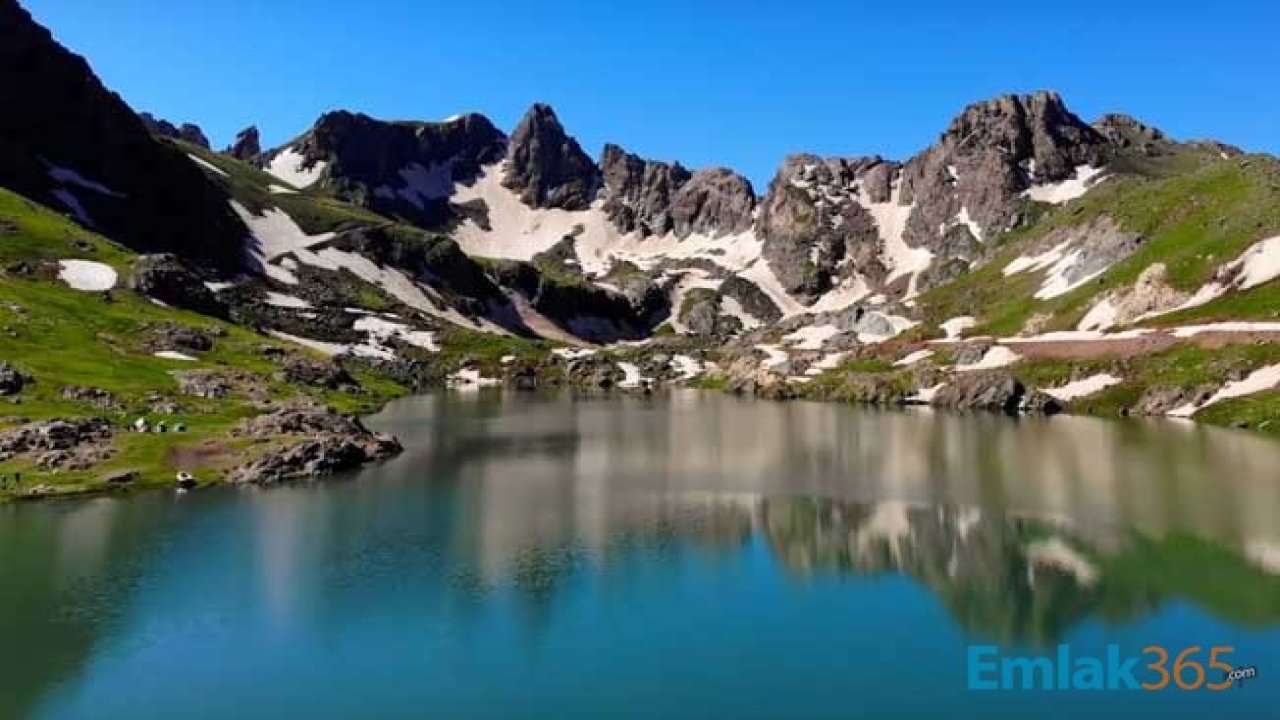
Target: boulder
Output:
[(11, 380), (996, 390), (168, 279)]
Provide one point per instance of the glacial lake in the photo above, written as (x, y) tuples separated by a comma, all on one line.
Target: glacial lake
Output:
[(690, 555)]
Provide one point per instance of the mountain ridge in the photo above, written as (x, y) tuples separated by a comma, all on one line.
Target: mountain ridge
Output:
[(1026, 261)]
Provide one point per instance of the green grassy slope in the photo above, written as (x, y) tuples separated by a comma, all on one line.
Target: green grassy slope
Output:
[(64, 337), (1192, 223)]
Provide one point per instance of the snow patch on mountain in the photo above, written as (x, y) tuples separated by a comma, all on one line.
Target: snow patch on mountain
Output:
[(67, 176), (891, 217), (1084, 387), (87, 275), (1258, 381), (956, 326), (997, 356), (292, 167), (1084, 180), (207, 165)]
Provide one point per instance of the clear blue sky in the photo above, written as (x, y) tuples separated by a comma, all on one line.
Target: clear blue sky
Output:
[(703, 81)]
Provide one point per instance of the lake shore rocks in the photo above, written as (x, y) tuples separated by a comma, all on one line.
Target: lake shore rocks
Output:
[(310, 442)]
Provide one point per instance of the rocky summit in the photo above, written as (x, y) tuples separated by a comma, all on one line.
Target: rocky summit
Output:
[(1027, 261)]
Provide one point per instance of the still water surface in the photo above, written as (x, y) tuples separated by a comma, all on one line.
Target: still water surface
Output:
[(687, 556)]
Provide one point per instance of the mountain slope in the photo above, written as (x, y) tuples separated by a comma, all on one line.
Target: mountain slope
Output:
[(68, 142)]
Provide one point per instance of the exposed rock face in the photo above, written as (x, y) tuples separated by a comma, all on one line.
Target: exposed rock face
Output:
[(95, 397), (1163, 399), (753, 300), (990, 154), (72, 444), (400, 169), (170, 336), (11, 381), (207, 384), (317, 374), (167, 279), (998, 391), (436, 258), (585, 310), (638, 193), (715, 201), (333, 443), (1150, 293), (187, 132), (1128, 132), (815, 231), (65, 136), (247, 145), (546, 167), (655, 198)]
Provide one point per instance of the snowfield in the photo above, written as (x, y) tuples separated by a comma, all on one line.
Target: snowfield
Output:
[(87, 275), (956, 326), (1085, 179), (1259, 380), (205, 164), (1084, 387), (997, 356), (288, 165)]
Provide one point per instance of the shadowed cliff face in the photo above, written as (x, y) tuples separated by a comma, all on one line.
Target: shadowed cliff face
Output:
[(68, 142)]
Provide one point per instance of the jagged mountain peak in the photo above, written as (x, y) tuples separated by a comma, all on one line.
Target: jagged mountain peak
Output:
[(186, 132), (401, 168), (247, 145), (547, 167)]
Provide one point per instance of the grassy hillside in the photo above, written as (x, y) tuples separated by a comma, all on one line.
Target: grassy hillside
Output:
[(1192, 223), (63, 338)]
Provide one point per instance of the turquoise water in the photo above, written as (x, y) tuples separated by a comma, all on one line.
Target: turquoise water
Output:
[(689, 556)]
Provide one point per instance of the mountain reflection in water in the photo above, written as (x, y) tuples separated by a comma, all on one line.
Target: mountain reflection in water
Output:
[(513, 508)]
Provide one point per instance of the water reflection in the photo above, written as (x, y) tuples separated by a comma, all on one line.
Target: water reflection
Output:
[(508, 514)]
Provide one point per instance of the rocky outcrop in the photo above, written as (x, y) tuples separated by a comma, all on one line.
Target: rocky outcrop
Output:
[(69, 143), (329, 375), (1162, 399), (11, 380), (585, 310), (655, 198), (70, 444), (311, 442), (715, 201), (96, 398), (996, 391), (434, 257), (170, 336), (208, 384), (168, 279), (546, 167), (815, 229), (639, 193), (973, 177), (247, 145), (187, 132), (754, 301), (398, 168)]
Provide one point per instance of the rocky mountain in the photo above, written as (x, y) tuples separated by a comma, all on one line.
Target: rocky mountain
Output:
[(423, 253), (187, 132), (545, 167), (68, 142), (247, 145)]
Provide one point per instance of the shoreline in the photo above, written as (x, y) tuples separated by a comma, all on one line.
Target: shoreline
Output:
[(83, 491)]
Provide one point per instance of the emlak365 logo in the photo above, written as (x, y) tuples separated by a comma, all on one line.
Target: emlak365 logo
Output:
[(1155, 668)]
